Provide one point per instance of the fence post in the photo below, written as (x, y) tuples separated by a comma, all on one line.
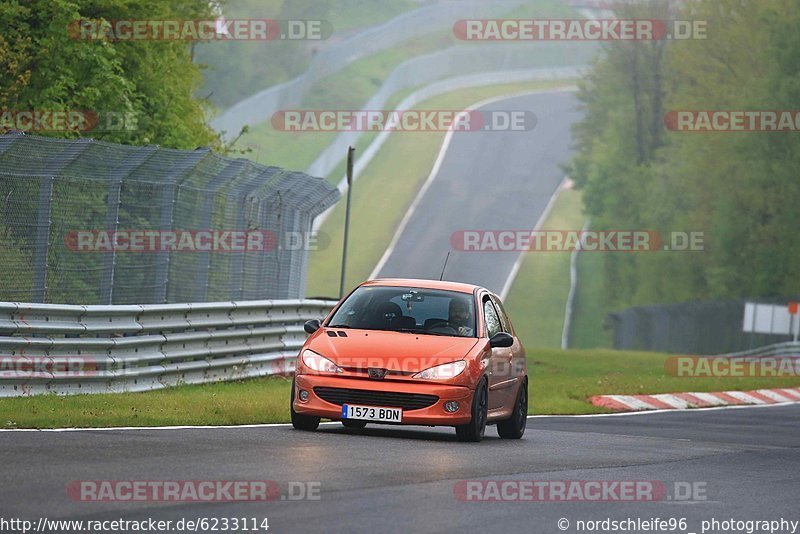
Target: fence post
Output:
[(247, 190), (171, 184), (227, 175), (44, 216), (43, 223), (131, 163)]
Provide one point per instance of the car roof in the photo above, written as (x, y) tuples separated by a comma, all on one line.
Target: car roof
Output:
[(423, 284)]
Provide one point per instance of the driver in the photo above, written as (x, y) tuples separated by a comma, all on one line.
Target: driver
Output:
[(460, 317)]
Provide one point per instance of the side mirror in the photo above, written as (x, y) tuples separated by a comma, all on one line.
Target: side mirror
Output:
[(501, 340), (311, 326)]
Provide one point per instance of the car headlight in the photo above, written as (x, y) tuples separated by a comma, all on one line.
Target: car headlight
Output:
[(442, 372), (318, 363)]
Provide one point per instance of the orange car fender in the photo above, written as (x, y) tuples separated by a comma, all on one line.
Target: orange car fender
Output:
[(477, 365)]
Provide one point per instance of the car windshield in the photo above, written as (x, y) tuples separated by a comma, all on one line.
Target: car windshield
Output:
[(407, 309)]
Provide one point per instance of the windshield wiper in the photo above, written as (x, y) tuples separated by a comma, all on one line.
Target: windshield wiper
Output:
[(338, 326), (418, 331)]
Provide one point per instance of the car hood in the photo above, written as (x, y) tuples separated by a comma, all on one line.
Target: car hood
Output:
[(395, 351)]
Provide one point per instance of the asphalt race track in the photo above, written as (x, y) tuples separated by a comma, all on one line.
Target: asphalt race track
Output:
[(498, 180), (401, 479)]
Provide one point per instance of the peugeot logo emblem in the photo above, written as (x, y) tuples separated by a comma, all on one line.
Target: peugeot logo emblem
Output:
[(376, 373)]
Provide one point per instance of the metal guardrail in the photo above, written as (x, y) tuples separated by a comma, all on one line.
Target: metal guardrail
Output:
[(440, 16), (788, 348), (694, 327), (573, 285), (67, 349)]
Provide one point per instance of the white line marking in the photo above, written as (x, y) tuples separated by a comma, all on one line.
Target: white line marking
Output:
[(650, 412), (180, 427), (286, 425), (512, 275)]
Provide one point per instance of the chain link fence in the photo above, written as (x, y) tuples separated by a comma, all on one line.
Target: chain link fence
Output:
[(700, 327), (88, 222)]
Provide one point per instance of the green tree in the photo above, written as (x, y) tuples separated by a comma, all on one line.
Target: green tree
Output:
[(740, 189), (150, 83)]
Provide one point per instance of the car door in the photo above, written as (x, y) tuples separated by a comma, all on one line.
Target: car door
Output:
[(501, 380), (518, 361)]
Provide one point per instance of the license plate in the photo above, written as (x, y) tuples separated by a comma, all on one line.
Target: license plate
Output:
[(372, 413)]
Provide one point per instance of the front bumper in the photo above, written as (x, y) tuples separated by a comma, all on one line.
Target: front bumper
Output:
[(432, 415)]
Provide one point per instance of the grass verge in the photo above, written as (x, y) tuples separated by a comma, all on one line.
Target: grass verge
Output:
[(538, 297), (351, 88), (590, 307), (561, 382)]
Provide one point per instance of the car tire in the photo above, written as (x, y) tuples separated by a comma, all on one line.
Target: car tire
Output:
[(475, 429), (514, 426), (300, 421), (353, 423)]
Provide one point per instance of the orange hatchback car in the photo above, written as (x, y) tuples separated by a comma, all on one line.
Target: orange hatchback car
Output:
[(414, 352)]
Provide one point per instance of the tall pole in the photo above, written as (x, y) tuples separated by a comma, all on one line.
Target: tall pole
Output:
[(350, 151)]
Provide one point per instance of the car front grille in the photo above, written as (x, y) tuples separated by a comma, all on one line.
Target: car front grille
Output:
[(406, 401)]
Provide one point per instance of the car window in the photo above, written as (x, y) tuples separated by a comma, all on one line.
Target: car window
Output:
[(501, 312), (492, 320), (433, 307)]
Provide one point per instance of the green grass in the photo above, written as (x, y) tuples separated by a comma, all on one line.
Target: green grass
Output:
[(538, 297), (384, 191), (361, 13), (348, 89), (561, 383), (237, 69), (261, 400), (353, 86)]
